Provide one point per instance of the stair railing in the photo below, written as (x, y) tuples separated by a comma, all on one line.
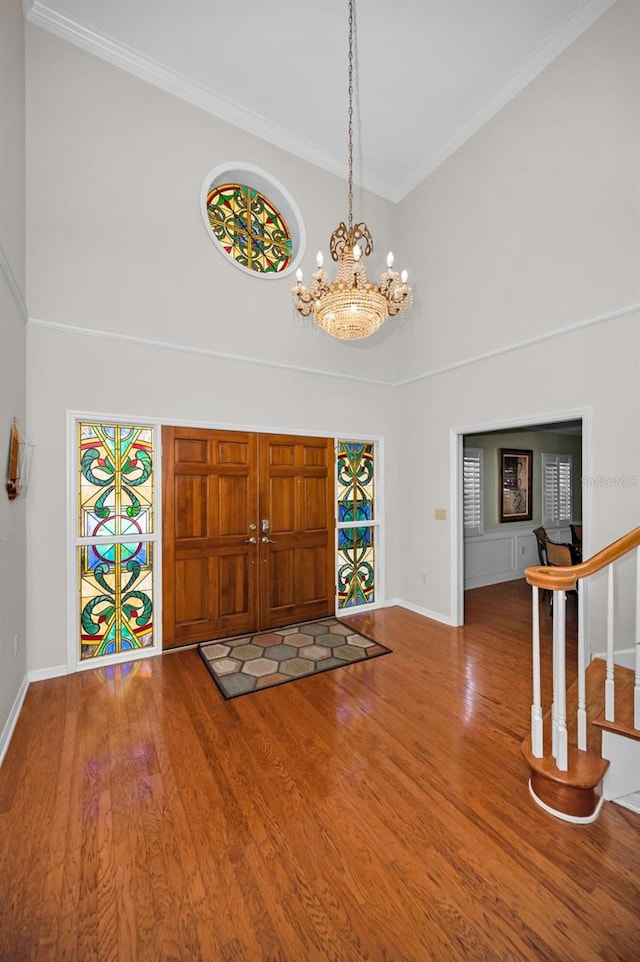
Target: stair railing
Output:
[(560, 580)]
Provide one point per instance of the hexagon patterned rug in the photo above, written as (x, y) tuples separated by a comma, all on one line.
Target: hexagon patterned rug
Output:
[(257, 661)]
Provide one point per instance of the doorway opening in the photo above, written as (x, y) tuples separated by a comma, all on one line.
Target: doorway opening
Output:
[(493, 538)]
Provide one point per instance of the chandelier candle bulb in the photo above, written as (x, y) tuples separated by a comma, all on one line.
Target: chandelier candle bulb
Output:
[(352, 306), (404, 277), (319, 259)]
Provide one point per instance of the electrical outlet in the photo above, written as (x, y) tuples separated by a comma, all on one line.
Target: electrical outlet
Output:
[(424, 577), (15, 645)]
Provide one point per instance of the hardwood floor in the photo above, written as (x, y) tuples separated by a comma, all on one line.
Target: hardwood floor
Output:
[(378, 812)]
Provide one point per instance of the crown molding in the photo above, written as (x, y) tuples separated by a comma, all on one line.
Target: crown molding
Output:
[(13, 285), (544, 54), (175, 83)]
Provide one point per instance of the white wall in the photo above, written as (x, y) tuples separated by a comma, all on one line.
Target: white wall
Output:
[(532, 226), (117, 243), (12, 360), (84, 373), (601, 366), (529, 228), (116, 236)]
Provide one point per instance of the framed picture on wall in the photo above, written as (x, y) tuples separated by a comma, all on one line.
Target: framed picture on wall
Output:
[(516, 484)]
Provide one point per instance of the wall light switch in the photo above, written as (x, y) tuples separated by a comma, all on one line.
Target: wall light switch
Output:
[(441, 514)]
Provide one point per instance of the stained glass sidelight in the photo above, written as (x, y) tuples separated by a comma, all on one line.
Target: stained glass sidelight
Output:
[(355, 481), (356, 516), (249, 227), (356, 575), (116, 593), (115, 525)]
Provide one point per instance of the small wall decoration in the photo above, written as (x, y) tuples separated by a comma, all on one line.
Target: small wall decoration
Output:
[(18, 464), (516, 484)]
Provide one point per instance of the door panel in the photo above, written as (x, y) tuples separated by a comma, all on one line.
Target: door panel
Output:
[(297, 564), (210, 495), (219, 487)]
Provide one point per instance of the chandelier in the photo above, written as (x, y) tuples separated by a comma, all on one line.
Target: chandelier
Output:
[(352, 306)]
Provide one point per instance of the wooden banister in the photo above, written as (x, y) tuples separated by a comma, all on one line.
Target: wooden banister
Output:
[(560, 783), (564, 579)]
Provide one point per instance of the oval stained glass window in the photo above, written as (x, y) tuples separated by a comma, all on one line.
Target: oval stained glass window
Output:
[(253, 220), (249, 227)]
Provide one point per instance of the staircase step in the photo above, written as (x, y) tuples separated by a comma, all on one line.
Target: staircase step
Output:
[(575, 794), (624, 707), (571, 794)]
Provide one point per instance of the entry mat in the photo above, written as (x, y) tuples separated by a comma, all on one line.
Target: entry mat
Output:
[(258, 661)]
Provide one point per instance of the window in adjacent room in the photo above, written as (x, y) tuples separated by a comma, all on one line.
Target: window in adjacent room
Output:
[(557, 505), (472, 483)]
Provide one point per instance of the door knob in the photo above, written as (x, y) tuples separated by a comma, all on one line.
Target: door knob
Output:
[(266, 540), (251, 541)]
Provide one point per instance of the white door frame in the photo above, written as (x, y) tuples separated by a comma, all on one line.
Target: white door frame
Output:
[(456, 547)]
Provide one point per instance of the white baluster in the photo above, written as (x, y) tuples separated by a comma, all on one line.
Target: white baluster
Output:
[(582, 675), (561, 753), (609, 689), (536, 708), (636, 687)]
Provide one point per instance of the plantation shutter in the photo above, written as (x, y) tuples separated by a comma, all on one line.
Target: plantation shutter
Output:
[(472, 491), (556, 489)]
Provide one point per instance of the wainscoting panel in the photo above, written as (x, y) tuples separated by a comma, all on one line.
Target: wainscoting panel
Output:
[(498, 556)]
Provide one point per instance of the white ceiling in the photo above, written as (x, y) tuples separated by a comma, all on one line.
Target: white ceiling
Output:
[(429, 72)]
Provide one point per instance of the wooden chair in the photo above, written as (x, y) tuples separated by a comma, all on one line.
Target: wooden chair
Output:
[(541, 537), (561, 556), (541, 540)]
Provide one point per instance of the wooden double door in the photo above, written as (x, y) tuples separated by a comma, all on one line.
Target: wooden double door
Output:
[(248, 532)]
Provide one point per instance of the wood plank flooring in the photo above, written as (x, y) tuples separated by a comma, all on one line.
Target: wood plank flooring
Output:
[(378, 812)]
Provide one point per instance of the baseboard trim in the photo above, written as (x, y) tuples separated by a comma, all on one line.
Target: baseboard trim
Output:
[(625, 657), (425, 612), (632, 802), (42, 674), (14, 714), (484, 581)]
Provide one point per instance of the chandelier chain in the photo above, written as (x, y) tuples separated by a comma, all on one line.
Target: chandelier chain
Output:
[(351, 2), (351, 306)]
